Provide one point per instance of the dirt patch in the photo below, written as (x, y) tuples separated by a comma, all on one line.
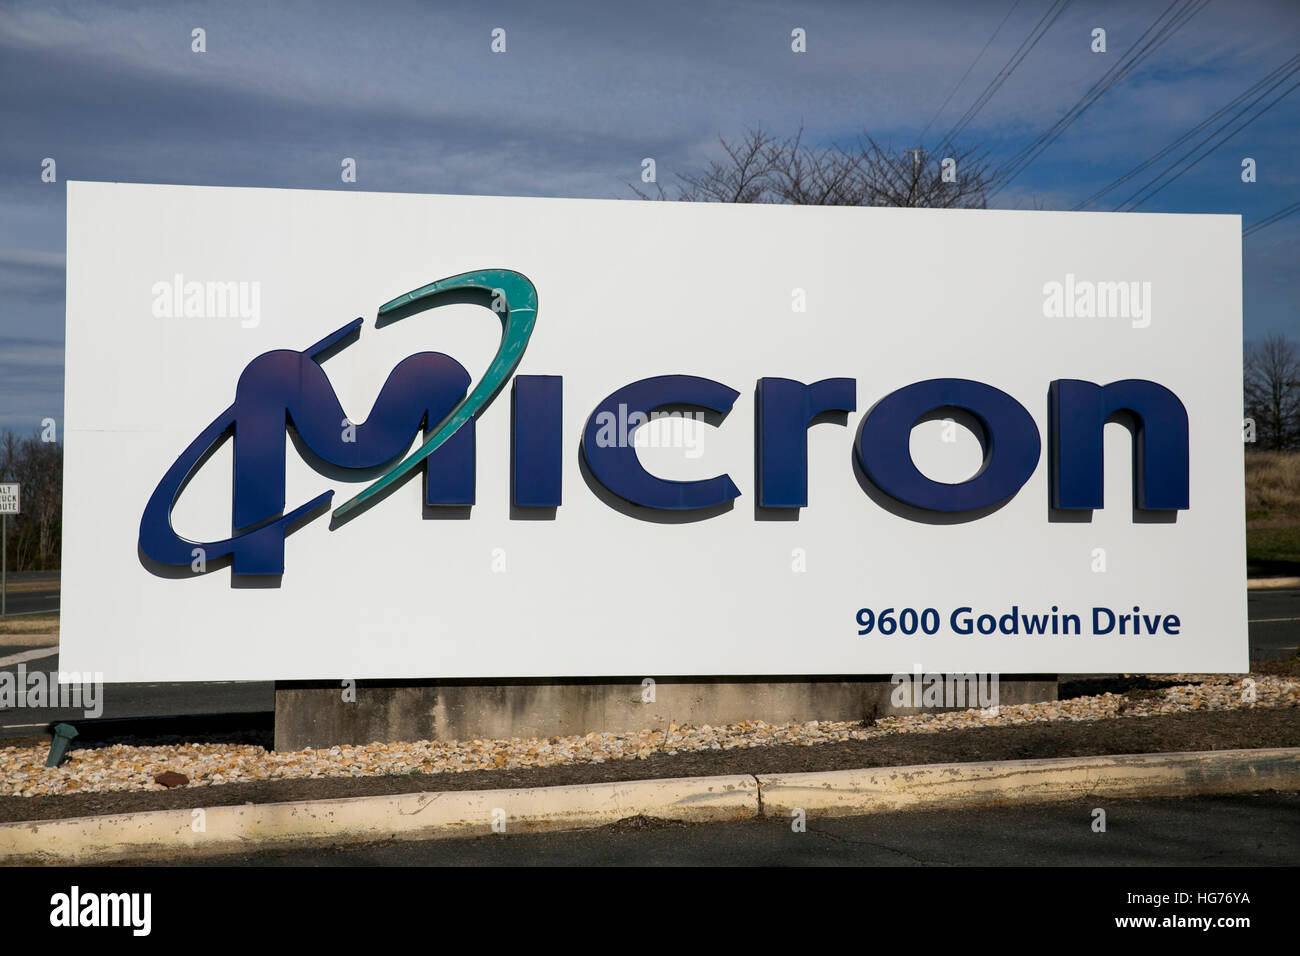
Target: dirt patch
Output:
[(641, 823), (1112, 684), (1214, 730), (1286, 668)]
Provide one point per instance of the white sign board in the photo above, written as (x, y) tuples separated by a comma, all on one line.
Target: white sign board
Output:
[(194, 310), (10, 499)]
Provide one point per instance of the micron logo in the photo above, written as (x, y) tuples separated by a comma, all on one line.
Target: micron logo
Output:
[(432, 392)]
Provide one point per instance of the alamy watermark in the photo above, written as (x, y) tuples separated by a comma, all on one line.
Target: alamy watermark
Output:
[(66, 689), (76, 908), (1085, 299), (680, 430), (179, 299), (946, 690)]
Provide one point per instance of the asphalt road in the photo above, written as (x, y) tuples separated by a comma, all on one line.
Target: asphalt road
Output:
[(120, 700), (1274, 633), (1239, 830), (25, 602), (1274, 623)]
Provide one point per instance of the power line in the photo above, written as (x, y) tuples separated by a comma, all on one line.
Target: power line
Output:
[(1129, 204), (1161, 29), (1039, 30), (1026, 45), (1268, 221), (1258, 88), (1118, 69), (1135, 55), (980, 56)]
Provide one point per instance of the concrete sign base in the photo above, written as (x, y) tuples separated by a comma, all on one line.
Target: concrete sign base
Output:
[(315, 713)]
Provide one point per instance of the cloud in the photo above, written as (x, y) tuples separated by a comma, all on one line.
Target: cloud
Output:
[(31, 382), (31, 277), (412, 91)]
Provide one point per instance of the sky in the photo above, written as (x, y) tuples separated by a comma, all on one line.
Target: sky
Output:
[(113, 91)]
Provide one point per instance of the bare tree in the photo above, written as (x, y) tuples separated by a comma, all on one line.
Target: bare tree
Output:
[(1272, 391), (34, 537), (761, 167)]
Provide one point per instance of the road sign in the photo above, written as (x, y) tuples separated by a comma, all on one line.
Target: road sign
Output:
[(11, 498)]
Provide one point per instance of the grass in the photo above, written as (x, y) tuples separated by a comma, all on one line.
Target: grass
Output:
[(1273, 514), (1273, 484), (30, 624), (1273, 551), (16, 584)]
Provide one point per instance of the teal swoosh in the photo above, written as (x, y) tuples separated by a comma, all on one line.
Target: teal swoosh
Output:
[(516, 328)]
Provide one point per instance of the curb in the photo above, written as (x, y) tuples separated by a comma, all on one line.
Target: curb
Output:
[(468, 813), (938, 786), (1257, 584), (463, 813)]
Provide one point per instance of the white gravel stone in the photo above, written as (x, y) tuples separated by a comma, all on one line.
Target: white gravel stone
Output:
[(122, 767)]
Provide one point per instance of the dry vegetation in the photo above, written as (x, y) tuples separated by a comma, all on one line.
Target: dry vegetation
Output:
[(1273, 513), (1273, 485), (30, 626)]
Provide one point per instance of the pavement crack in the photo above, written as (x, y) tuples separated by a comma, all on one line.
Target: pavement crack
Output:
[(433, 798), (871, 843)]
